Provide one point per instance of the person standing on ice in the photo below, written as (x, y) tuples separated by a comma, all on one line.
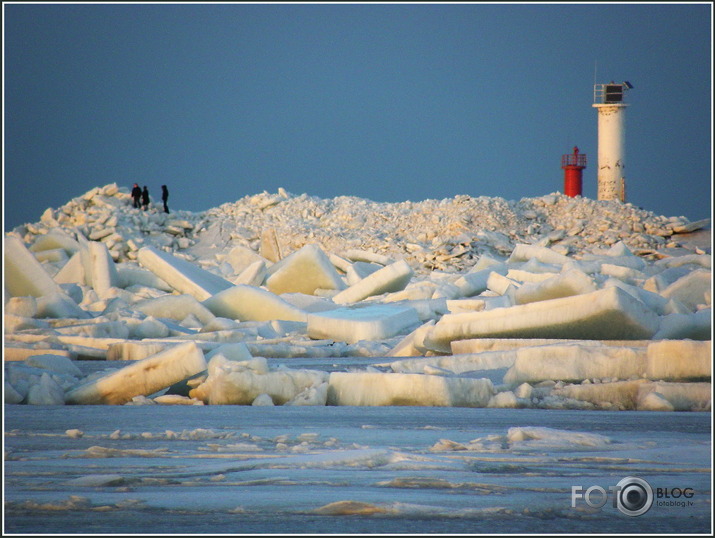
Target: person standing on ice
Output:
[(165, 197), (136, 195), (145, 198)]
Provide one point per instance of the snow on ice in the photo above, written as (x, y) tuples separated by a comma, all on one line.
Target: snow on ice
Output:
[(548, 302)]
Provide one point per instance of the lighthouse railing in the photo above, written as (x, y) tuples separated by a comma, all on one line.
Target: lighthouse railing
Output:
[(574, 159)]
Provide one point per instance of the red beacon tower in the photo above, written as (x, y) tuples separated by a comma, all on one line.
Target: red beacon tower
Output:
[(573, 165)]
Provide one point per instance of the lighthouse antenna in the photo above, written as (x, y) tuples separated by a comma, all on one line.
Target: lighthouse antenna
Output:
[(595, 69)]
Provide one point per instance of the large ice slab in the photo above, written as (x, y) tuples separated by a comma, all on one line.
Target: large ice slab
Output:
[(351, 325), (24, 275), (457, 364), (141, 378), (480, 345), (380, 389), (21, 352), (394, 277), (607, 314), (249, 303), (679, 359), (304, 271), (183, 276), (572, 362)]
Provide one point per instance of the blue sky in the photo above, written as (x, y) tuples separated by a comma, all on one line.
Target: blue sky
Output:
[(389, 102)]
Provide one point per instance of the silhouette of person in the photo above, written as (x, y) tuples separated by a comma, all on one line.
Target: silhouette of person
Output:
[(165, 197), (145, 198), (136, 195)]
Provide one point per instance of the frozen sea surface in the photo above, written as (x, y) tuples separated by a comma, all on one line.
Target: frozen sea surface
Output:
[(364, 470)]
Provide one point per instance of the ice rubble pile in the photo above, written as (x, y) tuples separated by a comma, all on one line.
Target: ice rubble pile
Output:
[(546, 302)]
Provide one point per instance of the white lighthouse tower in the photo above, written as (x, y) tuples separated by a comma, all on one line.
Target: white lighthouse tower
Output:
[(608, 100)]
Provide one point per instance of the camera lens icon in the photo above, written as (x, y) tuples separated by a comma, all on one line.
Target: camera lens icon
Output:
[(634, 497)]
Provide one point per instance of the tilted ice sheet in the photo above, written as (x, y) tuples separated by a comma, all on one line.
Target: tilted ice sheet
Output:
[(185, 277), (373, 322), (141, 377), (609, 314), (373, 388)]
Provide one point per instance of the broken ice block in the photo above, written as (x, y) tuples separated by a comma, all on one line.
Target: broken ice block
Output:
[(621, 395), (500, 284), (253, 275), (20, 352), (697, 326), (607, 314), (270, 250), (72, 271), (682, 396), (133, 351), (241, 257), (565, 284), (24, 275), (21, 306), (181, 275), (480, 345), (382, 389), (692, 290), (59, 305), (574, 362), (394, 277), (104, 272), (524, 253), (46, 392), (241, 382), (475, 282), (249, 303), (141, 378), (679, 359), (55, 238), (458, 364), (134, 276), (357, 255), (359, 270), (412, 344), (304, 271), (176, 307), (351, 325)]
